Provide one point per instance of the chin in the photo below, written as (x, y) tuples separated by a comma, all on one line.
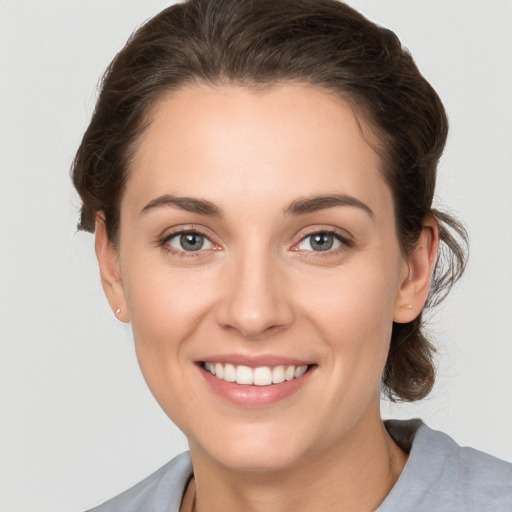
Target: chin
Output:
[(256, 460), (252, 449)]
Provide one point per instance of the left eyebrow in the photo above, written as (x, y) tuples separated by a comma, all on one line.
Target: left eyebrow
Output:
[(315, 203)]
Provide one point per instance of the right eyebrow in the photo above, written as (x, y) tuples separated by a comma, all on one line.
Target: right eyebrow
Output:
[(189, 204)]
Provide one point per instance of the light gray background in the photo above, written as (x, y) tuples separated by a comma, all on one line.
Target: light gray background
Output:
[(77, 424)]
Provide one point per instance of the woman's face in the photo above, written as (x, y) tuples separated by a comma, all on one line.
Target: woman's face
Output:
[(257, 241)]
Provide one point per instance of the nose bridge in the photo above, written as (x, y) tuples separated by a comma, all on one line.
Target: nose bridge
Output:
[(254, 301)]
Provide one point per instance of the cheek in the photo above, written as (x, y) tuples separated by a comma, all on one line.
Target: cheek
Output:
[(354, 316), (166, 304), (358, 297), (166, 309), (353, 310)]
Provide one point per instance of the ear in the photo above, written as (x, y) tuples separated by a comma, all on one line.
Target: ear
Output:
[(420, 263), (108, 260)]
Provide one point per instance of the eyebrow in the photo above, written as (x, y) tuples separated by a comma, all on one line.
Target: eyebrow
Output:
[(316, 203), (298, 207), (189, 204)]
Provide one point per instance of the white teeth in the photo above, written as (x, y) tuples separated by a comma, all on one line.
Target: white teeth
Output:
[(244, 375), (210, 367), (260, 376), (300, 370), (229, 373), (289, 374), (278, 375)]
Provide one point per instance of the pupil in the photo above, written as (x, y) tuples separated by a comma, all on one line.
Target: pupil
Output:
[(322, 242), (191, 241)]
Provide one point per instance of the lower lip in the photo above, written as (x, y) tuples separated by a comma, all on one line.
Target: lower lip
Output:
[(254, 396)]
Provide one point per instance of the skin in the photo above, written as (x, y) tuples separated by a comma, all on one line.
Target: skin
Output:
[(258, 287)]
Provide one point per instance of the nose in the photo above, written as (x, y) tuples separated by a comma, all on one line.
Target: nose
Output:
[(254, 300)]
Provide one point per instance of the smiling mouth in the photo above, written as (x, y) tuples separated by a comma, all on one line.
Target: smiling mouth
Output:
[(258, 376)]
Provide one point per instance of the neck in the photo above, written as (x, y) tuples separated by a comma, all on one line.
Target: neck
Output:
[(355, 475)]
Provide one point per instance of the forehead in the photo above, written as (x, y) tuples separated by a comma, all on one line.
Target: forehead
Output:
[(283, 142)]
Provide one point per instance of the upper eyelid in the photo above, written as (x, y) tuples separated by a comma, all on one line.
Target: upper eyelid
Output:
[(169, 233), (346, 243), (333, 233), (340, 233), (163, 242), (342, 240), (173, 234), (324, 231), (304, 233)]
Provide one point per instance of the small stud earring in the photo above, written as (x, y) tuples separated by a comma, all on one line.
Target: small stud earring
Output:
[(118, 311), (408, 306)]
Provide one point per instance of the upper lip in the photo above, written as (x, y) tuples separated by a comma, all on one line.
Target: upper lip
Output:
[(254, 361)]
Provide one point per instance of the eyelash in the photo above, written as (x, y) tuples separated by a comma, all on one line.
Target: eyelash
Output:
[(164, 243), (345, 243)]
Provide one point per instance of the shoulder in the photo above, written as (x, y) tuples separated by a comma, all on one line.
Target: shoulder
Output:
[(474, 469), (160, 492), (443, 476)]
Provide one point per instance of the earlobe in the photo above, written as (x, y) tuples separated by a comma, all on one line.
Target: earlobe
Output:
[(415, 286), (108, 261)]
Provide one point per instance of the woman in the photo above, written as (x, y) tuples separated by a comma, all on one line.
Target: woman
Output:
[(259, 176)]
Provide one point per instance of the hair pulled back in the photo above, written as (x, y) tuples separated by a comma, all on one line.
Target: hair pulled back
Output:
[(258, 43)]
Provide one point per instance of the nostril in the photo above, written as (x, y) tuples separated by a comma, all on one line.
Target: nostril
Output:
[(254, 300), (254, 332)]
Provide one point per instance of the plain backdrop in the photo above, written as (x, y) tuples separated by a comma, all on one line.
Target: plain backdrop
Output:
[(77, 424)]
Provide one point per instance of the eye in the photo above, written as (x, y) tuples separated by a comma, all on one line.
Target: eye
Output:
[(320, 242), (189, 241)]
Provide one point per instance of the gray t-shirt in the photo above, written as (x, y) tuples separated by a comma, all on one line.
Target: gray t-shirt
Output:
[(439, 476)]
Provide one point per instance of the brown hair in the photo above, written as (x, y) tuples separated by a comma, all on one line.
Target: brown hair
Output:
[(324, 43)]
